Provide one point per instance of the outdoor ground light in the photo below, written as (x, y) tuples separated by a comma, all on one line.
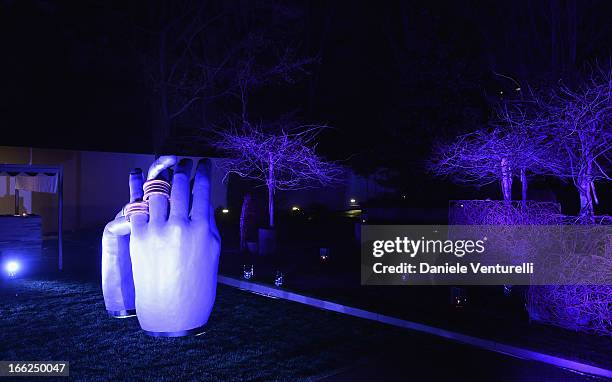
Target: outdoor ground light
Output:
[(247, 272), (324, 254), (459, 297), (12, 267), (279, 279)]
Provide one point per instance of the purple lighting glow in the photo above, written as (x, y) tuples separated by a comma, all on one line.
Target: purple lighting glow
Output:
[(12, 267), (281, 161)]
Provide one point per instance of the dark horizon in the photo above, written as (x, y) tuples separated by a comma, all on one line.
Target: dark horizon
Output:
[(80, 63), (389, 81)]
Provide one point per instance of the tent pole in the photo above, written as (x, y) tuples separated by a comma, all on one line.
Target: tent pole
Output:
[(60, 236)]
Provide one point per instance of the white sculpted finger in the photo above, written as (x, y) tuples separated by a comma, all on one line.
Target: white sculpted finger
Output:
[(118, 227), (136, 182), (162, 163), (201, 207), (179, 196)]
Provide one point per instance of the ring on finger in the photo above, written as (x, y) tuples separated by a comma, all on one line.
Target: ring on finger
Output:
[(156, 187), (134, 208)]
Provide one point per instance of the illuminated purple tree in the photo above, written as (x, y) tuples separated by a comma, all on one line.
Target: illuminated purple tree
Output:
[(583, 135), (281, 161), (566, 134), (526, 132), (480, 158), (516, 143)]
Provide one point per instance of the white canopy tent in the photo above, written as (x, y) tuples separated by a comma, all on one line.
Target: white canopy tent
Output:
[(21, 170)]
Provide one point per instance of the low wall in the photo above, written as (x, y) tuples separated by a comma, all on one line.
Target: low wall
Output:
[(95, 185)]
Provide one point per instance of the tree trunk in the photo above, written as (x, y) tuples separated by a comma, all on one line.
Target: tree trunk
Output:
[(161, 134), (524, 188), (271, 182), (584, 183), (586, 201), (595, 199), (267, 236), (506, 181), (271, 205)]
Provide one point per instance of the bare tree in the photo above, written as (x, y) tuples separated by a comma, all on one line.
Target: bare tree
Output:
[(513, 146), (582, 119), (480, 158), (280, 161), (202, 55), (566, 134), (528, 132)]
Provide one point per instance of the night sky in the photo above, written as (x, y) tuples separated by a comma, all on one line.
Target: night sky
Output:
[(387, 77)]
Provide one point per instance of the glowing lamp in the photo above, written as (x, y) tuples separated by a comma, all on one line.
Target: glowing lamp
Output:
[(295, 208), (353, 200), (225, 211), (324, 254), (247, 272), (12, 267), (279, 279), (459, 297)]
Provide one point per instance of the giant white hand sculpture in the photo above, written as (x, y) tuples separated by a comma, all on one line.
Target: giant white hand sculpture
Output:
[(117, 280), (175, 255)]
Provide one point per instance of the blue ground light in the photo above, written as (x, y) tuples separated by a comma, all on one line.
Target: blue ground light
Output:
[(249, 338), (12, 267)]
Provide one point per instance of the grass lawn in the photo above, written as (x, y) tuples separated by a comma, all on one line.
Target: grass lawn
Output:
[(249, 337)]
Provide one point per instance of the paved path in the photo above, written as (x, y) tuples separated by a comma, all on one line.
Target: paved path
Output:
[(441, 360)]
